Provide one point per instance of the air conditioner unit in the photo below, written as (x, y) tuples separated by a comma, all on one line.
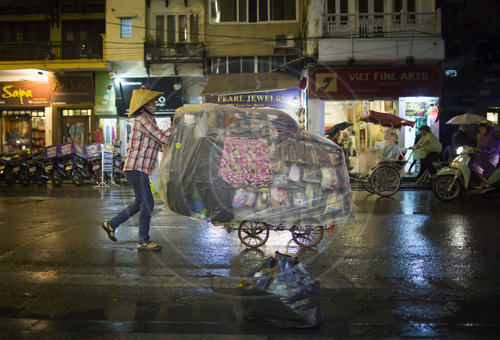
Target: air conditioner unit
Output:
[(284, 41)]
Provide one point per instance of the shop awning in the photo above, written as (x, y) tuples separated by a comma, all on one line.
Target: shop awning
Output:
[(248, 82)]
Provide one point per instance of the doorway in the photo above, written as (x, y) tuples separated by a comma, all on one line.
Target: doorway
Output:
[(75, 129)]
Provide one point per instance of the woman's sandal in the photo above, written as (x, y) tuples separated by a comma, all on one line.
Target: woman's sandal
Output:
[(110, 231)]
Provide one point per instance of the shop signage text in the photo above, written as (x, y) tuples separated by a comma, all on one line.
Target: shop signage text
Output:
[(274, 99), (8, 91), (166, 104), (415, 109), (374, 82), (71, 89), (250, 98), (24, 94), (105, 100)]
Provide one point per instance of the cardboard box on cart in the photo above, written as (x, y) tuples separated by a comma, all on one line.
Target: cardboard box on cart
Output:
[(231, 164)]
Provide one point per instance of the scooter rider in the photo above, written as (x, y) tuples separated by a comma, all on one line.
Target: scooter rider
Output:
[(487, 154), (429, 150)]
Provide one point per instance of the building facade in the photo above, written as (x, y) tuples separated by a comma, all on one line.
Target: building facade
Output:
[(248, 43), (49, 58), (380, 55)]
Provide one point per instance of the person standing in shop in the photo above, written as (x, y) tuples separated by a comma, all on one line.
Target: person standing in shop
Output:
[(335, 137), (144, 143)]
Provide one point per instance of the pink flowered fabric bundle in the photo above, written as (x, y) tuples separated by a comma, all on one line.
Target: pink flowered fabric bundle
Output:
[(245, 162)]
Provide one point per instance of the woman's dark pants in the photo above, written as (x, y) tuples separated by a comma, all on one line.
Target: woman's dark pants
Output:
[(144, 203)]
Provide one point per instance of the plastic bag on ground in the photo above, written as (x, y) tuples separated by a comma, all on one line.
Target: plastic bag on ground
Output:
[(282, 292)]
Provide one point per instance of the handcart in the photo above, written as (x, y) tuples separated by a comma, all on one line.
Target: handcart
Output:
[(254, 170), (255, 234), (384, 178)]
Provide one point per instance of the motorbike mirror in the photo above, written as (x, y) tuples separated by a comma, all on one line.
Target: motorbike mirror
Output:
[(460, 149)]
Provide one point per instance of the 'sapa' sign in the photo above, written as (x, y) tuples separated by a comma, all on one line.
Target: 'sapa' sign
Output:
[(24, 94)]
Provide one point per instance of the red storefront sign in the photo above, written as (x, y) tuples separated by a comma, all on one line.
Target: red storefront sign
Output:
[(24, 94), (71, 89), (374, 82)]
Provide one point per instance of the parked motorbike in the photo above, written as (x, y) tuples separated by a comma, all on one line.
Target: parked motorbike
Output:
[(37, 171), (81, 170), (456, 178), (53, 170), (22, 168), (8, 170), (95, 165), (118, 162)]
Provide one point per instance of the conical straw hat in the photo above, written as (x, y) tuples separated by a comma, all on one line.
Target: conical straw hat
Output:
[(141, 98)]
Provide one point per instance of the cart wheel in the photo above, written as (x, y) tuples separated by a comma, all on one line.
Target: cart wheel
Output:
[(367, 186), (385, 181), (253, 234), (307, 236)]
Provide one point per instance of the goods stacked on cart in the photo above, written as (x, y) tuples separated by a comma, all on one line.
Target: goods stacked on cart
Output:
[(232, 164)]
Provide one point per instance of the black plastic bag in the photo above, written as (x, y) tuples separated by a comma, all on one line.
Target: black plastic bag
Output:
[(282, 292)]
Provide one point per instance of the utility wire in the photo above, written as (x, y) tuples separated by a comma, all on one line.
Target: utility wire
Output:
[(250, 38)]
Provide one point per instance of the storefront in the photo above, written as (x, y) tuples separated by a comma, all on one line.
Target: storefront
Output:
[(23, 108), (72, 98), (343, 94)]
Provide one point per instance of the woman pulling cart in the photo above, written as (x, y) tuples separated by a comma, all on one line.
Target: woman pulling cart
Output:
[(255, 170)]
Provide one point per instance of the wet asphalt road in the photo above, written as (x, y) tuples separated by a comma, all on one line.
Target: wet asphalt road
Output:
[(409, 267)]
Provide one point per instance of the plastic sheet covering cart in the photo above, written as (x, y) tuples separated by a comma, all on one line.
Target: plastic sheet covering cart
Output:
[(254, 170)]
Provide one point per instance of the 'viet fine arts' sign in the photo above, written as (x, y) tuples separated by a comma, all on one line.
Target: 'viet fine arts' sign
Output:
[(374, 82)]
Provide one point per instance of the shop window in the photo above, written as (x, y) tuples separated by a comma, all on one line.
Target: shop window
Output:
[(109, 131), (76, 112), (37, 134), (225, 11), (23, 130)]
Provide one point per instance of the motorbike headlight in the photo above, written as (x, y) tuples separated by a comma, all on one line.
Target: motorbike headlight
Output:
[(460, 149)]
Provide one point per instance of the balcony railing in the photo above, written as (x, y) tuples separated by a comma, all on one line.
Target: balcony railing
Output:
[(169, 52), (51, 50), (374, 25)]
